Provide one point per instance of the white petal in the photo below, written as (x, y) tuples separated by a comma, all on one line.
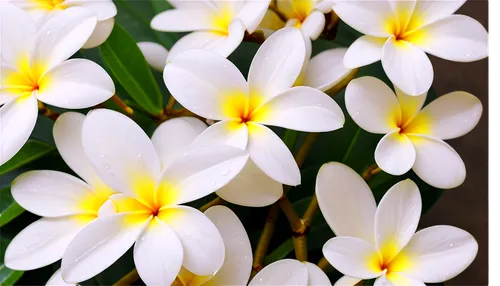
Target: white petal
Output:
[(313, 25), (120, 151), (252, 13), (76, 83), (407, 66), (238, 251), (403, 11), (410, 104), (184, 20), (158, 254), (456, 38), (68, 138), (99, 245), (172, 138), (439, 253), (316, 276), (155, 54), (204, 83), (251, 188), (282, 272), (449, 116), (346, 201), (227, 132), (17, 120), (62, 36), (272, 156), (277, 63), (56, 280), (364, 51), (324, 6), (301, 108), (326, 69), (368, 16), (18, 32), (201, 171), (202, 243), (372, 105), (52, 193), (437, 163), (222, 44), (395, 153), (397, 279), (104, 9), (41, 243), (353, 256), (397, 217), (101, 33), (347, 281), (427, 12)]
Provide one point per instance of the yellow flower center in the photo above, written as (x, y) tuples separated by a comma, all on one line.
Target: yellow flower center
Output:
[(243, 108), (223, 18), (389, 260), (50, 4), (27, 78), (405, 26)]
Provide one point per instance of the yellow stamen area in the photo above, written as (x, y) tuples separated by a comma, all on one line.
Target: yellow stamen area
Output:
[(186, 278), (91, 203), (49, 5), (296, 9), (405, 27), (27, 79), (421, 124), (84, 219), (223, 18), (243, 108), (389, 259), (149, 201)]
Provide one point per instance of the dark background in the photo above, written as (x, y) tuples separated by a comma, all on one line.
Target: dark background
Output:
[(466, 207)]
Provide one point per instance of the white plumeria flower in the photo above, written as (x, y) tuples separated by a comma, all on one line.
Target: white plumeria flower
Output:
[(380, 242), (414, 137), (34, 66), (307, 15), (212, 87), (324, 70), (148, 211), (218, 25), (400, 33), (290, 272), (57, 280), (65, 203), (155, 54), (238, 253), (42, 10)]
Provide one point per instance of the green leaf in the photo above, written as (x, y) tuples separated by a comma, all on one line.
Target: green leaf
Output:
[(31, 151), (129, 67), (136, 16), (7, 276), (9, 209)]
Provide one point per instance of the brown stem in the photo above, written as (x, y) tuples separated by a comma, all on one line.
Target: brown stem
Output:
[(122, 105), (323, 264), (300, 245), (215, 202), (47, 112), (371, 171), (331, 26), (310, 211), (128, 279), (296, 223), (305, 148), (255, 37), (265, 238), (170, 105), (274, 7)]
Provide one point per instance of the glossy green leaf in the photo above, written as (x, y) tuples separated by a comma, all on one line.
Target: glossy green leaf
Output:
[(7, 276), (31, 151), (129, 67), (9, 209)]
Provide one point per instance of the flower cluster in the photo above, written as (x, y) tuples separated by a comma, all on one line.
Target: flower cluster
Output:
[(130, 189)]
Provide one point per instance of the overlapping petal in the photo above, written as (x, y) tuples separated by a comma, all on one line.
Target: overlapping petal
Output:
[(325, 69), (227, 132), (368, 17), (155, 54), (364, 51), (282, 272), (395, 153)]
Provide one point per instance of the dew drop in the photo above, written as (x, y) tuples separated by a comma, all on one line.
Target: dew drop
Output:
[(225, 172), (139, 155)]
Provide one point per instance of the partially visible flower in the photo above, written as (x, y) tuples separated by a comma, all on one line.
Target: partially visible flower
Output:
[(211, 86), (400, 33), (238, 252), (307, 15), (290, 272), (35, 66), (148, 211), (155, 54), (42, 10), (414, 137), (57, 280), (218, 25), (380, 242), (323, 71), (66, 203)]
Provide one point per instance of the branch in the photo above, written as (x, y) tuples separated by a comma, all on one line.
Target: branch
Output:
[(371, 171), (47, 112), (265, 238), (128, 279), (215, 202), (122, 105)]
